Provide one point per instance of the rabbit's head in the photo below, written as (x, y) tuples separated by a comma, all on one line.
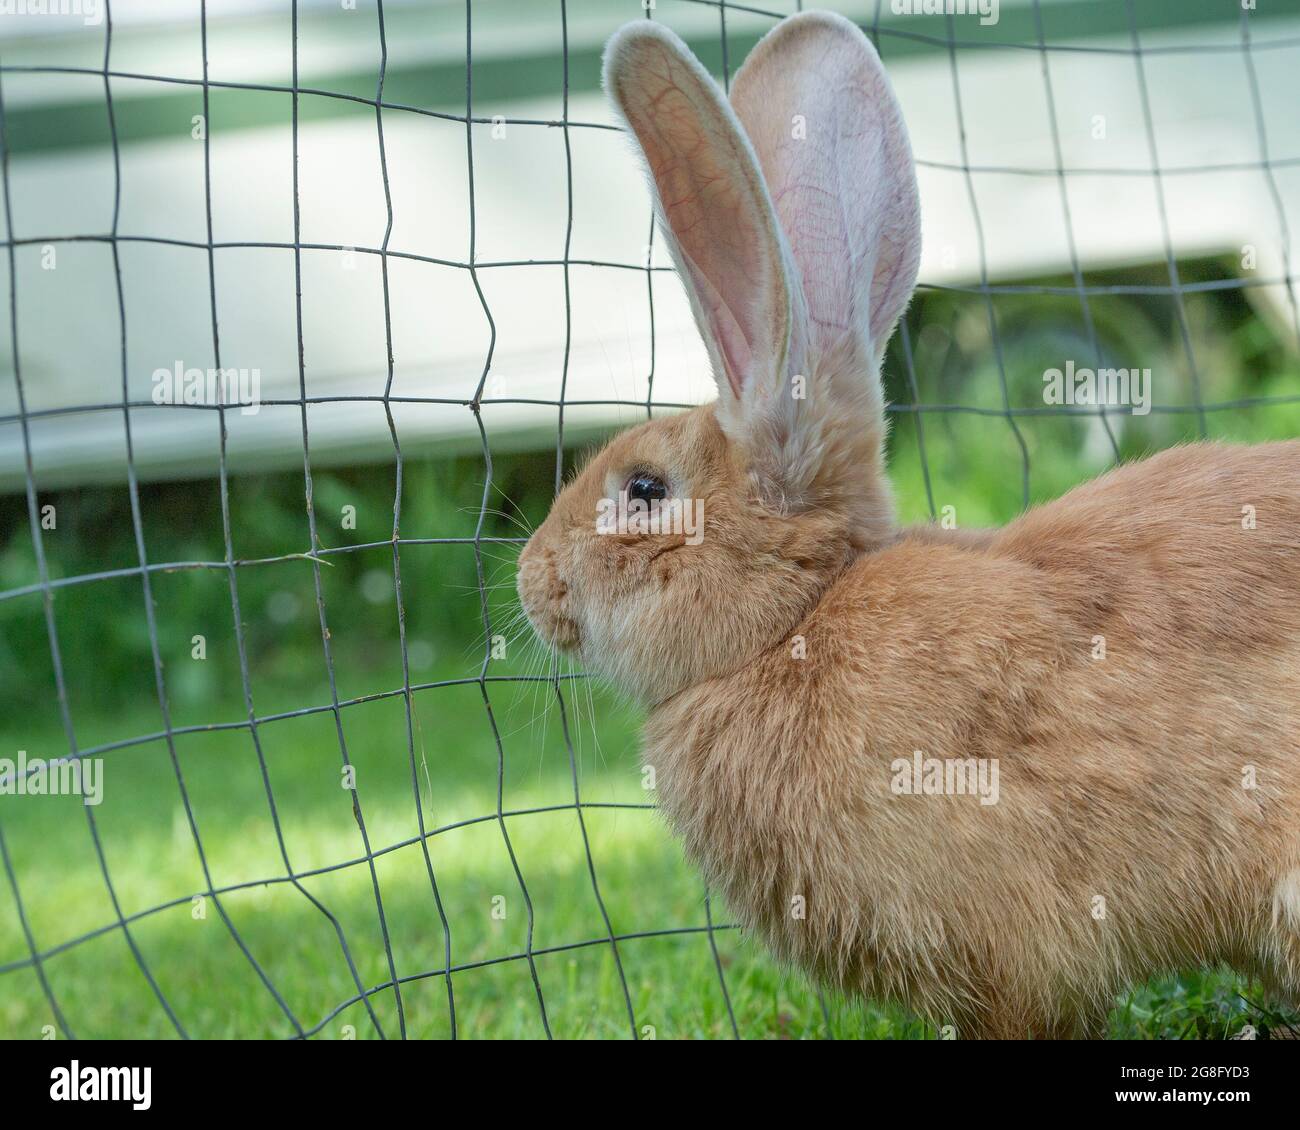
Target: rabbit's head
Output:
[(692, 542)]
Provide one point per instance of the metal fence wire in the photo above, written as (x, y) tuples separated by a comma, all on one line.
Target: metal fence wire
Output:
[(941, 34)]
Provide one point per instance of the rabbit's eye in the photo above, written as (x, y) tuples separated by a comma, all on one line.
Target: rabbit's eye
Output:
[(647, 487)]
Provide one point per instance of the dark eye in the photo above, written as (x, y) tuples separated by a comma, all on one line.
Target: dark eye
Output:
[(647, 487)]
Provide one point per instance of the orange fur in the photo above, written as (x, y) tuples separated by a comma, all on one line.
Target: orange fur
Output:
[(1120, 777), (1128, 654)]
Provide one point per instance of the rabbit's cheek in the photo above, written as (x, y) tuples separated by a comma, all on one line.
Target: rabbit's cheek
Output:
[(620, 564), (665, 562)]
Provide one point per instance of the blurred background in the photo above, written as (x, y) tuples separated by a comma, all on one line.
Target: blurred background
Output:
[(417, 225)]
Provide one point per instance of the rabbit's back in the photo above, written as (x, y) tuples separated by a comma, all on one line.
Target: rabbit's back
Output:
[(1202, 542), (1129, 658)]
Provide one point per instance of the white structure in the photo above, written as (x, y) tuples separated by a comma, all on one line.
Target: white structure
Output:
[(1201, 107)]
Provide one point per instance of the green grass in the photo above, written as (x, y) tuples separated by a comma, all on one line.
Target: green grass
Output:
[(673, 980)]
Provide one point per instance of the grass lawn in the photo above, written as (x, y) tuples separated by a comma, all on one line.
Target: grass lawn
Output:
[(675, 982)]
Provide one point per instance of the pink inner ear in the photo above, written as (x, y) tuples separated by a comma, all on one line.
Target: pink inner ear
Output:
[(812, 215), (843, 185), (737, 357), (832, 201), (713, 202)]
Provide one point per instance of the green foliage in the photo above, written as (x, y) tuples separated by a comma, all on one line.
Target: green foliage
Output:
[(102, 629)]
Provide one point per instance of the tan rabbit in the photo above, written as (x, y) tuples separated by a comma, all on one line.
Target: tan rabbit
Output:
[(1121, 666)]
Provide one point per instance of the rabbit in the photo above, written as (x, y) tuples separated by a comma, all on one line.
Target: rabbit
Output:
[(1127, 656)]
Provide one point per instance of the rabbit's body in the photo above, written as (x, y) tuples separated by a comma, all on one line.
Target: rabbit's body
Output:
[(1123, 773), (1127, 658)]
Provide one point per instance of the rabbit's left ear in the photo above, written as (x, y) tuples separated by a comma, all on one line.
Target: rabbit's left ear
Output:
[(819, 109), (713, 207)]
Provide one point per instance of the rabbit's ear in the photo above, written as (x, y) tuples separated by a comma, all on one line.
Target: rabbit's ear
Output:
[(713, 206), (814, 99)]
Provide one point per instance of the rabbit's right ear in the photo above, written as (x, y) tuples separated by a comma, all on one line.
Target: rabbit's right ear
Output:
[(816, 103), (713, 207)]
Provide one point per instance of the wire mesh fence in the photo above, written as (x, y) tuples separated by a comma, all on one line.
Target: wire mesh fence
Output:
[(381, 1006)]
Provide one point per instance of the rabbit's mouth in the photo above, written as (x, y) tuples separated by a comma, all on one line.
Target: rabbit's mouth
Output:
[(559, 631), (544, 597)]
